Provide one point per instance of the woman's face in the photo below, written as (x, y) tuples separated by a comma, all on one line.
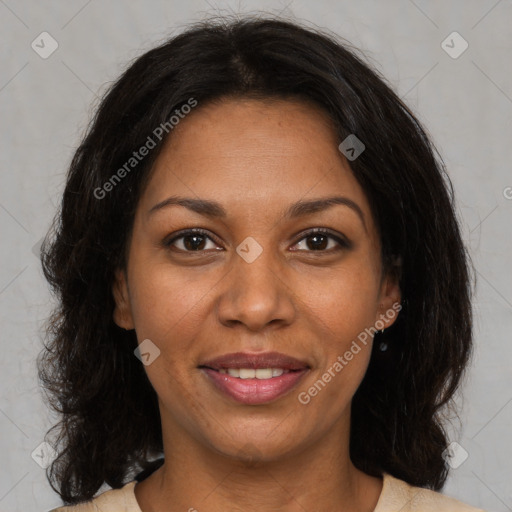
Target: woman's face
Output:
[(254, 281)]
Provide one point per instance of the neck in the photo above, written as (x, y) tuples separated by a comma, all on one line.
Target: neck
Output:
[(320, 476)]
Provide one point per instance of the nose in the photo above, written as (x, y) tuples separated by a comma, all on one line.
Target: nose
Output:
[(255, 294)]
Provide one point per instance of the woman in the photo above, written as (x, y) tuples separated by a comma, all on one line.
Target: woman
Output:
[(264, 295)]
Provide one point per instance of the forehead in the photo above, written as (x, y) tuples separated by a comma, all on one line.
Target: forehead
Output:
[(253, 155)]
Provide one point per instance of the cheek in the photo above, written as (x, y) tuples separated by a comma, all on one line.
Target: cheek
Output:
[(344, 302), (342, 307), (166, 302), (168, 308), (342, 314)]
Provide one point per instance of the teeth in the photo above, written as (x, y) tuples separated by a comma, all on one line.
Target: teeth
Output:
[(251, 373), (264, 373), (246, 373)]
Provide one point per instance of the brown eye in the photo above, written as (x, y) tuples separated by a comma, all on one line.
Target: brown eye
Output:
[(195, 240), (321, 240)]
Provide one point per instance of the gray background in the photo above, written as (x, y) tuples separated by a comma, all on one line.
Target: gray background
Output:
[(465, 103)]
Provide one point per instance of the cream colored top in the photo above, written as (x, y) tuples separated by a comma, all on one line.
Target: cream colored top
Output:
[(396, 496)]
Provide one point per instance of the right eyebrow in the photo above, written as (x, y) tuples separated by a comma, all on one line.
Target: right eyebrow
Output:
[(205, 207)]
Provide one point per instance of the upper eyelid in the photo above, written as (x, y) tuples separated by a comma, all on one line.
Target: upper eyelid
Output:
[(191, 231), (339, 238)]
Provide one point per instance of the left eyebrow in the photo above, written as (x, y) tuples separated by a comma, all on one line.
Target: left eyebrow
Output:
[(303, 208)]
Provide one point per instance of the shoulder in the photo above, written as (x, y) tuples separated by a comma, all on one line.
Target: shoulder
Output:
[(114, 500), (398, 495)]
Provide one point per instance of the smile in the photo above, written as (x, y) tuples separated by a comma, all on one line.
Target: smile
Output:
[(251, 373), (254, 387)]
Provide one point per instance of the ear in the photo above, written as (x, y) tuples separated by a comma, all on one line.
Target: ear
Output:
[(390, 297), (122, 311)]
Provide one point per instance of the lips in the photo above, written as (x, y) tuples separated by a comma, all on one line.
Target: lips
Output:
[(254, 379), (255, 361)]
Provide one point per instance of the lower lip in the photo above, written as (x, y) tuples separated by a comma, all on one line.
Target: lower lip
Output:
[(254, 391)]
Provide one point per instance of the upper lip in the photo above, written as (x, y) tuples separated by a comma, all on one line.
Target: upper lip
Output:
[(255, 361)]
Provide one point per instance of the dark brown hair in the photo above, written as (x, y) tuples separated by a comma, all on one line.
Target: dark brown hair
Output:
[(110, 424)]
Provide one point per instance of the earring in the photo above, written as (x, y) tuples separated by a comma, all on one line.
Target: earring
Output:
[(383, 346)]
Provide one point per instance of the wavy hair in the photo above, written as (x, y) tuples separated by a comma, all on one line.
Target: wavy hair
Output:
[(109, 426)]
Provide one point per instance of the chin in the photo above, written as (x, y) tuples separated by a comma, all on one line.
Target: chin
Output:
[(258, 448)]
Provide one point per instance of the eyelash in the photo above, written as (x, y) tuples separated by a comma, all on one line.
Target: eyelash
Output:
[(343, 243)]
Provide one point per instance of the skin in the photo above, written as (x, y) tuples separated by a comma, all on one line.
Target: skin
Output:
[(254, 157)]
